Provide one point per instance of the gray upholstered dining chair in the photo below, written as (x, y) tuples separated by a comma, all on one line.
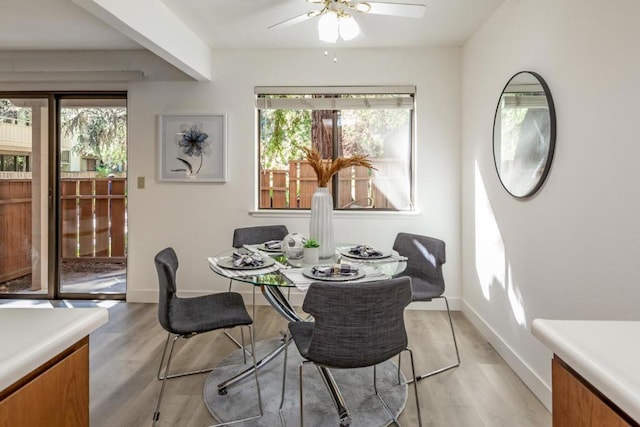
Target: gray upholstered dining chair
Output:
[(253, 236), (256, 235), (425, 257), (356, 325), (187, 317)]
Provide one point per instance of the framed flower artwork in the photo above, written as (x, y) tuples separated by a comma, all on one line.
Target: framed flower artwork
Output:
[(192, 147)]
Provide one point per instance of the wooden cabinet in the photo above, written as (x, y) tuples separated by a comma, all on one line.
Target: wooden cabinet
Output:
[(54, 395), (576, 403)]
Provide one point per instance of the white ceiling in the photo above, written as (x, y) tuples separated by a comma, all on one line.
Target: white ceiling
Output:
[(46, 40), (63, 25), (235, 23), (55, 25)]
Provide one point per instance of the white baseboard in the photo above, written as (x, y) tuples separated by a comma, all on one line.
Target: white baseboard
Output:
[(143, 296), (151, 296), (536, 384), (296, 298), (455, 304)]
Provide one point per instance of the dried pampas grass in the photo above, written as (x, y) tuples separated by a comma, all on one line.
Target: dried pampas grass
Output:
[(325, 170)]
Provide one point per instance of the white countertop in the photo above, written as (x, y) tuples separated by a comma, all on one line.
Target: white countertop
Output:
[(30, 337), (605, 353)]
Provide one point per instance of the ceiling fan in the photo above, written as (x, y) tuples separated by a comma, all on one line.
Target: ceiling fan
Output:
[(336, 16)]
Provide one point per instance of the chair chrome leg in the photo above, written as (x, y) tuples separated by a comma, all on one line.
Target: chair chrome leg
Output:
[(455, 343), (156, 413), (164, 352), (301, 395), (244, 353), (253, 311), (284, 383), (386, 406), (183, 374), (235, 341), (255, 370), (415, 386)]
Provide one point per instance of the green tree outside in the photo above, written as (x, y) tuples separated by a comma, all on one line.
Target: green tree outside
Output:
[(98, 132)]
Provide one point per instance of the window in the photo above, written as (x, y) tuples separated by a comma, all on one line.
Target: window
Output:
[(65, 156), (89, 164), (14, 163), (376, 122)]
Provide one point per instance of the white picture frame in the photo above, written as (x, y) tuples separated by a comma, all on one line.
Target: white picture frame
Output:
[(184, 155)]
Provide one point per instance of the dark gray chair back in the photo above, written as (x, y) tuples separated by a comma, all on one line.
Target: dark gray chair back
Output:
[(259, 234), (166, 265), (357, 324), (425, 256)]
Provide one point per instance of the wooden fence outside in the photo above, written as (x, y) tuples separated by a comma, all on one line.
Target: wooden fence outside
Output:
[(15, 228), (294, 187), (93, 222), (93, 218)]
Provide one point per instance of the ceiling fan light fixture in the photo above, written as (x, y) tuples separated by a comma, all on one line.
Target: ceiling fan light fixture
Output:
[(328, 27), (349, 27)]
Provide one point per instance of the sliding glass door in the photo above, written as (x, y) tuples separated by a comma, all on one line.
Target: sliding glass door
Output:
[(92, 197), (63, 206), (24, 190)]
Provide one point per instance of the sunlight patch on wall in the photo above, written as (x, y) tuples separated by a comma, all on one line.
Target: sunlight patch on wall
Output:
[(515, 300), (490, 253), (492, 266)]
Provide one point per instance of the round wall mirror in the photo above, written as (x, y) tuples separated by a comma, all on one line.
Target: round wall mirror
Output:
[(524, 134)]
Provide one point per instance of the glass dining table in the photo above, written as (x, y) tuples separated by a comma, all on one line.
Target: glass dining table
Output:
[(284, 273)]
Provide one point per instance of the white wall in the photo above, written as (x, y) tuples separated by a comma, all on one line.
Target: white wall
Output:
[(571, 251), (198, 219)]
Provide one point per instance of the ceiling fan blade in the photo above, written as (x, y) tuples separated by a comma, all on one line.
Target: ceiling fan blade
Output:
[(407, 10), (292, 21), (359, 6)]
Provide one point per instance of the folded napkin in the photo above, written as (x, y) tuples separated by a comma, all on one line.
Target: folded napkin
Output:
[(334, 270), (248, 260), (273, 244), (364, 251)]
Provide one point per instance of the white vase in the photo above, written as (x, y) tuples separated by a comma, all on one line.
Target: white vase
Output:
[(321, 223)]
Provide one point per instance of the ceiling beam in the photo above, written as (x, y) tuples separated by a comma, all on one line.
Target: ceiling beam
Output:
[(155, 27)]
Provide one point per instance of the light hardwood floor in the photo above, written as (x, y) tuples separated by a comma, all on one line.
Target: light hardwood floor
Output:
[(125, 353)]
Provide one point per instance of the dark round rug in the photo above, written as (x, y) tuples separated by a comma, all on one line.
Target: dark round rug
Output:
[(356, 386)]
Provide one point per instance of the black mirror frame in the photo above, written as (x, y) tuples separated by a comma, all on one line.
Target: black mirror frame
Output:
[(552, 135)]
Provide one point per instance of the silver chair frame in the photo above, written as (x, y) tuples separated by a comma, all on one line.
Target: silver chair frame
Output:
[(455, 343), (166, 375), (345, 418), (253, 316)]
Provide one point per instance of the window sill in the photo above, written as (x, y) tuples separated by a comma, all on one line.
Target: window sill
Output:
[(348, 214)]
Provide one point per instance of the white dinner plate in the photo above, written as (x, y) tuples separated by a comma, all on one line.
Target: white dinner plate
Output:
[(228, 263), (307, 272)]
